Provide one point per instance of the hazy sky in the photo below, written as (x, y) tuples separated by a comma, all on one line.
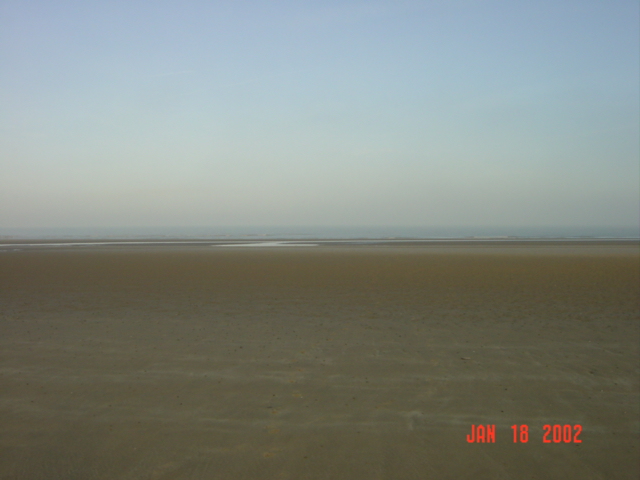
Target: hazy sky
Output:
[(118, 113)]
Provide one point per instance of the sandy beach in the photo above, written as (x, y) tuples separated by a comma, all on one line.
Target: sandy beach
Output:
[(332, 362)]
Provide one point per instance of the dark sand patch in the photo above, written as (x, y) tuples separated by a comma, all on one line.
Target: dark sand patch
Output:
[(359, 362)]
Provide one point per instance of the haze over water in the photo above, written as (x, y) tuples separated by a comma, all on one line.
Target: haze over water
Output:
[(324, 232)]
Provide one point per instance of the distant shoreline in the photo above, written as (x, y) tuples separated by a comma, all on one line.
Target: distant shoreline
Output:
[(7, 244)]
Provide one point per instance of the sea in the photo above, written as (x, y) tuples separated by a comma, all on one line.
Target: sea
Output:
[(263, 232)]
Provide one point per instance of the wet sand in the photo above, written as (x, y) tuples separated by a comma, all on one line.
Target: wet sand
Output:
[(354, 362)]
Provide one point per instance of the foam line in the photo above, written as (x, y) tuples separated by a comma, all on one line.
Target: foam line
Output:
[(268, 244)]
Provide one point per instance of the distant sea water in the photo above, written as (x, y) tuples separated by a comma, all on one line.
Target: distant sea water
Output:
[(322, 232)]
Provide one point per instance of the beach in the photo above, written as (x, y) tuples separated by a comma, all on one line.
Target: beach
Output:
[(335, 361)]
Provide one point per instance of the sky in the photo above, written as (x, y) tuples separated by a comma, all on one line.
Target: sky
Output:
[(251, 112)]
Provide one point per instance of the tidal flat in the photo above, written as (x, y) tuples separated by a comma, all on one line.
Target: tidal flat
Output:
[(332, 362)]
